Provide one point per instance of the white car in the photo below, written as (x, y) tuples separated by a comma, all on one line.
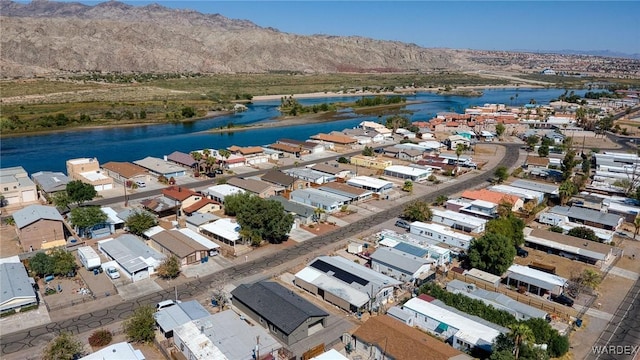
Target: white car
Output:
[(112, 272), (166, 303)]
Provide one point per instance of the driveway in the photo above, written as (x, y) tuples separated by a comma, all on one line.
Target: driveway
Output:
[(215, 263), (299, 235), (139, 288)]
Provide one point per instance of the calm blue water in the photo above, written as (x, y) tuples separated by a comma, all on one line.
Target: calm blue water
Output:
[(49, 152)]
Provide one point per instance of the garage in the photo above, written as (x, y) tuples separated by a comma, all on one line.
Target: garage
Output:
[(28, 196), (12, 200), (315, 327)]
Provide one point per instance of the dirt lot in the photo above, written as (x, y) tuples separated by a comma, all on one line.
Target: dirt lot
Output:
[(320, 228), (9, 244), (564, 267)]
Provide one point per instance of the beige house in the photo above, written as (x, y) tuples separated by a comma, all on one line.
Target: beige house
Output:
[(182, 196), (88, 171), (370, 162), (260, 188), (16, 187), (39, 227), (123, 172)]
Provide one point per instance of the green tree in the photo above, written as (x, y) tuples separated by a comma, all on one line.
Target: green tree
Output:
[(532, 141), (63, 347), (41, 264), (568, 163), (188, 112), (509, 226), (543, 150), (502, 174), (408, 186), (140, 221), (397, 121), (267, 219), (80, 192), (440, 200), (169, 268), (84, 218), (493, 253), (417, 211), (234, 204), (520, 333), (500, 129), (61, 199), (558, 345), (586, 165), (367, 151), (590, 278), (141, 325), (459, 150), (583, 232), (63, 261), (636, 224), (343, 160), (143, 114), (566, 190), (556, 229)]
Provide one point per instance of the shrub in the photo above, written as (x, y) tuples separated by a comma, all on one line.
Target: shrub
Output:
[(100, 338)]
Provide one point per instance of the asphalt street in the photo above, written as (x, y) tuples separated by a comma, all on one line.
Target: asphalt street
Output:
[(23, 340)]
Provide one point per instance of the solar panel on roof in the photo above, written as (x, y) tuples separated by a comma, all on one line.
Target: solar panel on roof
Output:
[(410, 249), (338, 273)]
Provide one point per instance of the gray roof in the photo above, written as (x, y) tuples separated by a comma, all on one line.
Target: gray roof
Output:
[(310, 174), (33, 213), (334, 169), (412, 249), (129, 251), (15, 283), (585, 214), (278, 177), (319, 196), (173, 316), (251, 185), (277, 304), (400, 260), (51, 181), (15, 174), (341, 268), (477, 319), (159, 166), (546, 188), (198, 219), (182, 158), (497, 300), (397, 313), (294, 207)]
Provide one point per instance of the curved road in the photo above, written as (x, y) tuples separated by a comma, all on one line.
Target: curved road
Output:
[(23, 340)]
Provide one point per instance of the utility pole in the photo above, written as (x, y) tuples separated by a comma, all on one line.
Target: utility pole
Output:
[(258, 347), (124, 185)]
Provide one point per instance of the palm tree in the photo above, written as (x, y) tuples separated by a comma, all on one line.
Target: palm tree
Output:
[(440, 200), (636, 223), (206, 153), (210, 162), (519, 334), (566, 191), (197, 156), (590, 278), (408, 186), (224, 153)]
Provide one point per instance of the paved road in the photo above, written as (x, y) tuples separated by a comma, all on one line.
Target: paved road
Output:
[(32, 337), (621, 339)]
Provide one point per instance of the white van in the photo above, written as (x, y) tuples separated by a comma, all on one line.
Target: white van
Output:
[(166, 303), (141, 184), (112, 272)]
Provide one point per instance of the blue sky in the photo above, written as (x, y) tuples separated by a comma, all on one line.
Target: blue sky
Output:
[(497, 25)]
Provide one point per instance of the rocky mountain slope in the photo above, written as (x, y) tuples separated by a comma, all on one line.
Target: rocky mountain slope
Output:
[(48, 37)]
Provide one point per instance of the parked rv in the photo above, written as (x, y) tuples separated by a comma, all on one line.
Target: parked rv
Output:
[(89, 258)]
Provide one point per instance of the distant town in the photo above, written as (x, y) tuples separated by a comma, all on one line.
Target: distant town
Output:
[(500, 232)]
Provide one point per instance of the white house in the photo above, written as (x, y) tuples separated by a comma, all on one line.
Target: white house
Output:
[(458, 221), (535, 281), (454, 140), (400, 265), (219, 192), (441, 234), (366, 182), (131, 256), (412, 173)]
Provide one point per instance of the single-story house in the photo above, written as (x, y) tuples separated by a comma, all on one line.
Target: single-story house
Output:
[(417, 246), (580, 215), (336, 139), (463, 331), (283, 180), (49, 182), (257, 187), (203, 206), (458, 221), (310, 175), (536, 162), (499, 301), (334, 169), (494, 197), (378, 186), (413, 173), (293, 150), (292, 320), (117, 351), (219, 192), (183, 196), (548, 189), (241, 339), (161, 206), (440, 233), (383, 337), (370, 162), (401, 265), (131, 256), (224, 230), (17, 287), (39, 227), (253, 155), (182, 159), (571, 247), (363, 136), (525, 194), (302, 214), (109, 227), (196, 220), (183, 247), (344, 283), (535, 281), (159, 167), (319, 199), (454, 140), (126, 172), (307, 147), (356, 194), (181, 313), (482, 277)]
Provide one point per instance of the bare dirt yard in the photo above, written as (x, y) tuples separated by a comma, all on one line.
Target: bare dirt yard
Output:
[(9, 244)]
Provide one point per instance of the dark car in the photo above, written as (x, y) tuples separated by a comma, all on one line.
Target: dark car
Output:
[(522, 252), (562, 299), (211, 175)]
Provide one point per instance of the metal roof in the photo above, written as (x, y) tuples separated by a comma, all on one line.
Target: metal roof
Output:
[(291, 310), (546, 188), (294, 207), (402, 261), (15, 284), (33, 213), (171, 317), (319, 196), (131, 253), (535, 277), (51, 181), (411, 249), (585, 214)]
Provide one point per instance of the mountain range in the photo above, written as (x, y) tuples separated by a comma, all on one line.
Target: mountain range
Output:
[(47, 37)]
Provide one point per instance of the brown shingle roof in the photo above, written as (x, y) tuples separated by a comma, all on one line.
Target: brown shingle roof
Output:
[(403, 342), (250, 150), (335, 138), (279, 178), (286, 148), (490, 196), (200, 204), (178, 193), (329, 169), (177, 243), (125, 169), (254, 186), (181, 158)]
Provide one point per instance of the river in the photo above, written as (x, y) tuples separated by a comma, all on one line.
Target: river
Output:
[(48, 152)]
